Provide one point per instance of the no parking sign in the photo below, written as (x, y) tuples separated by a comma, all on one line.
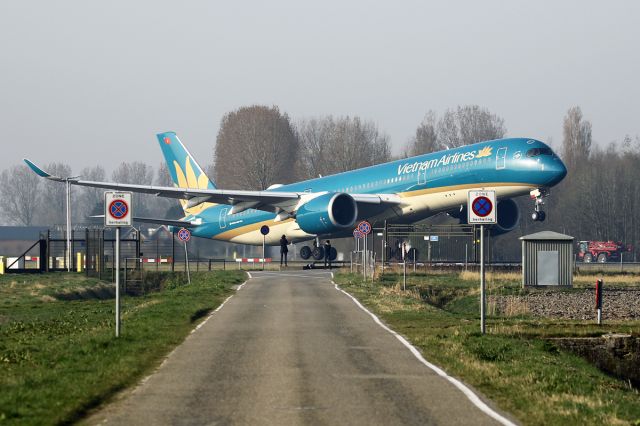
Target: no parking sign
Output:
[(481, 207), (117, 207)]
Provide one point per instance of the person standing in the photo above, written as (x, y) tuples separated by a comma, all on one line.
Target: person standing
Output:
[(327, 254), (283, 249)]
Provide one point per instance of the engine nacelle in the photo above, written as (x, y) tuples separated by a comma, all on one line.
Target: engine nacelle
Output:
[(327, 213), (508, 216)]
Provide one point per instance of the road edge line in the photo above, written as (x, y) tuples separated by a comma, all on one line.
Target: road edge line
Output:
[(471, 395)]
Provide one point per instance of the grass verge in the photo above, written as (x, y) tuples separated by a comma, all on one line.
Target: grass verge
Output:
[(514, 364), (58, 354)]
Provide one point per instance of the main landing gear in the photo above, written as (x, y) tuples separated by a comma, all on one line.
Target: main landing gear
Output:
[(538, 195)]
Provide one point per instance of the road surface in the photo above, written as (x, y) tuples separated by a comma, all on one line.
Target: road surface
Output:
[(289, 348)]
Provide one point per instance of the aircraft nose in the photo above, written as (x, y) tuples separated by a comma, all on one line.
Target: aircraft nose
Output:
[(557, 170)]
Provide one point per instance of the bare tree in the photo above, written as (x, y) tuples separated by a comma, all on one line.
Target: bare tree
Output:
[(90, 199), (336, 145), (166, 207), (141, 174), (426, 138), (469, 124), (255, 148), (19, 195), (53, 200), (576, 142)]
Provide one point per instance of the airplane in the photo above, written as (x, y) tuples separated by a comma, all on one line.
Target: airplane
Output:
[(401, 191)]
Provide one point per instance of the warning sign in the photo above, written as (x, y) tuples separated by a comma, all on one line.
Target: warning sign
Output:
[(117, 209), (482, 207)]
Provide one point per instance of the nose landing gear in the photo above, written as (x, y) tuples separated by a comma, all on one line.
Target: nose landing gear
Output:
[(538, 195)]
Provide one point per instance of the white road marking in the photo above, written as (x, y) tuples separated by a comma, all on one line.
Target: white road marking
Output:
[(217, 309), (440, 372), (291, 275)]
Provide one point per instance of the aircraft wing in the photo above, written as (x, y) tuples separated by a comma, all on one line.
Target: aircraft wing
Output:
[(272, 201), (159, 221)]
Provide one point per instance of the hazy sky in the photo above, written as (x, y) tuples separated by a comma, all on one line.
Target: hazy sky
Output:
[(89, 82)]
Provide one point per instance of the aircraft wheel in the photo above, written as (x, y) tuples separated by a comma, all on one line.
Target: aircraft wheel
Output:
[(334, 254), (542, 216), (588, 258), (305, 252), (318, 253), (535, 215), (602, 258)]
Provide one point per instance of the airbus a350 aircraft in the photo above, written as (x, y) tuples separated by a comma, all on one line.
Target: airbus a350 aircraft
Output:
[(402, 191)]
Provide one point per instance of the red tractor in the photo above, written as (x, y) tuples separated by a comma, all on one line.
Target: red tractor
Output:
[(601, 251)]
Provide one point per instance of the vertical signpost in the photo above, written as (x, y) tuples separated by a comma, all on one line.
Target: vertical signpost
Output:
[(264, 230), (365, 228), (184, 235), (117, 214), (481, 208)]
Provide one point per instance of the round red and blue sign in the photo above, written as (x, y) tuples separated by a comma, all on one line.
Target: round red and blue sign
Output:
[(364, 227), (482, 206), (118, 209), (184, 235)]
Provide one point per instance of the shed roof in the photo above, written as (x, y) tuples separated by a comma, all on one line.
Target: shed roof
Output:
[(21, 233), (547, 235)]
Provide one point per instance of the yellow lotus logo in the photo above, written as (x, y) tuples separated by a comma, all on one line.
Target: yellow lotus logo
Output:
[(188, 179), (484, 152)]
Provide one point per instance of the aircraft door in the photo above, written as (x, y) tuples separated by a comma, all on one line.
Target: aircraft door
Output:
[(422, 177), (222, 219), (501, 158)]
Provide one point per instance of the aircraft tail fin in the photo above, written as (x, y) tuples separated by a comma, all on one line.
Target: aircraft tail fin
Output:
[(183, 168)]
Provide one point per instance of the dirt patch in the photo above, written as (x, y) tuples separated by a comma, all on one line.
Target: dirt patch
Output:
[(618, 304)]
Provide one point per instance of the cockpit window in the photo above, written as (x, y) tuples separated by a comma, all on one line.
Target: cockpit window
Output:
[(534, 152)]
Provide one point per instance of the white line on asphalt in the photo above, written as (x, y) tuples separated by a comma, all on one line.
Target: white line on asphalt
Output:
[(217, 309), (249, 273), (440, 372), (292, 275)]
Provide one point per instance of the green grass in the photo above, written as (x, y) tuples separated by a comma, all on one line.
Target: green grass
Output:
[(513, 364), (58, 354)]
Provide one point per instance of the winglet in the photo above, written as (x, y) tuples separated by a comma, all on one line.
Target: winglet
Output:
[(37, 169)]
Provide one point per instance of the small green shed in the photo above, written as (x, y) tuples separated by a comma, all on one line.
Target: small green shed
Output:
[(547, 259)]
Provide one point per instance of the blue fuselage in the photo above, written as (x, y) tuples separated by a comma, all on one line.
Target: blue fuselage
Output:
[(517, 165)]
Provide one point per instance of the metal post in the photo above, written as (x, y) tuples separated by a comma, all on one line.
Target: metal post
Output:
[(173, 251), (599, 285), (404, 280), (621, 261), (466, 256), (364, 258), (68, 225), (482, 295), (351, 261), (264, 237), (117, 281), (186, 262)]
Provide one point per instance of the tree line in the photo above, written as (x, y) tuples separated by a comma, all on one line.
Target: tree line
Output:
[(258, 146)]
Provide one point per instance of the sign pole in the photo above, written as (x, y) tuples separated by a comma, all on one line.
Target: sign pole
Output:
[(482, 295), (186, 260), (69, 254), (118, 281), (264, 237), (364, 258)]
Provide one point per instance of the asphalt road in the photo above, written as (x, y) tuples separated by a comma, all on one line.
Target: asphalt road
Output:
[(288, 349)]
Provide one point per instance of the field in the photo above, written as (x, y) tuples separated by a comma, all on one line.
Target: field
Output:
[(58, 354), (514, 364)]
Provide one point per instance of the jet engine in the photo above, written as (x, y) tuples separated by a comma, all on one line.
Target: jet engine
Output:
[(327, 213), (508, 217)]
